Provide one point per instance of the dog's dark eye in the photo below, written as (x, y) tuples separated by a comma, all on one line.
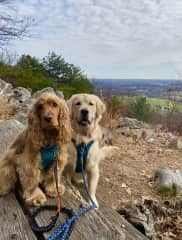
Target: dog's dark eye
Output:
[(78, 104), (91, 103), (40, 107), (54, 104)]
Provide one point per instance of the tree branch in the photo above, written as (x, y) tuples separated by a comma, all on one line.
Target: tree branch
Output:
[(13, 26)]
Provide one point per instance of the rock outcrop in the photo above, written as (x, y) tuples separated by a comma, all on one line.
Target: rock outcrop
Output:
[(8, 132), (21, 94), (136, 129), (22, 98), (169, 182), (6, 89)]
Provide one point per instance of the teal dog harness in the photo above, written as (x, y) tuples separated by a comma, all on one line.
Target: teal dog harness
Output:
[(48, 155), (82, 151)]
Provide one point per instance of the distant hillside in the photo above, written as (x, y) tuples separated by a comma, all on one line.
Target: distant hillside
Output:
[(134, 87)]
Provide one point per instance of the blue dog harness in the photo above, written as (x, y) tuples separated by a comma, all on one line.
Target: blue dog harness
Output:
[(82, 151), (48, 155)]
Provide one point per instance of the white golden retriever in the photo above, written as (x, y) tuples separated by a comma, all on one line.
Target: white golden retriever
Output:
[(86, 111)]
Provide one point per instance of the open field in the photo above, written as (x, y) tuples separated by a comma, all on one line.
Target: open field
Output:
[(157, 103)]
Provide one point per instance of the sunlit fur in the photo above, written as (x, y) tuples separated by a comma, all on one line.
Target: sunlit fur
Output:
[(85, 133), (22, 161)]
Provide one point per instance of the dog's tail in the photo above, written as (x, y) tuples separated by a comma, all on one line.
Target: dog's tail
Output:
[(108, 151)]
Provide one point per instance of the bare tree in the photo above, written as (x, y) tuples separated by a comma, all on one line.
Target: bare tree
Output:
[(8, 57), (11, 25)]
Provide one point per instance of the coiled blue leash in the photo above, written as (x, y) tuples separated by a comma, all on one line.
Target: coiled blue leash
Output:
[(49, 157), (65, 229)]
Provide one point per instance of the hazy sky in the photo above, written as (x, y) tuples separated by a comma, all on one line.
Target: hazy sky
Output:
[(109, 38)]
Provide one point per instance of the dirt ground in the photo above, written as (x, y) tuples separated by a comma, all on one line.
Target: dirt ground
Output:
[(128, 176), (128, 179)]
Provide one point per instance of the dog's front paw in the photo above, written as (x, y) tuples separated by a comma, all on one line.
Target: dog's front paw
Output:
[(95, 201), (51, 190), (61, 189), (37, 198)]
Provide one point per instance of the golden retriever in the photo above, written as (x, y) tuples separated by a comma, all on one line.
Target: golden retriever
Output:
[(86, 111), (48, 125)]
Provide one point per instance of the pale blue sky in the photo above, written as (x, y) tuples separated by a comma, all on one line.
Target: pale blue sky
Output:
[(108, 38)]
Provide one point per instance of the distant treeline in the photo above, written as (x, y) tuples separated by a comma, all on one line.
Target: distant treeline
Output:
[(52, 71)]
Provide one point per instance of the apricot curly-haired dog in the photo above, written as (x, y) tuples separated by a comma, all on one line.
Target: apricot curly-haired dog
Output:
[(48, 125)]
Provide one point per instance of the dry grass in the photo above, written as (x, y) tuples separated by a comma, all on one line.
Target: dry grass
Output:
[(7, 110)]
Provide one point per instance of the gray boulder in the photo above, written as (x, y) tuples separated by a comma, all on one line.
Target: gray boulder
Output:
[(141, 218), (175, 144), (168, 135), (6, 89), (149, 133), (132, 123), (131, 127), (25, 106), (15, 95), (169, 182), (9, 129), (21, 94), (134, 133)]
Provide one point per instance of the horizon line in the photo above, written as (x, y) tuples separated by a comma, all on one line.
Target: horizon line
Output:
[(153, 79)]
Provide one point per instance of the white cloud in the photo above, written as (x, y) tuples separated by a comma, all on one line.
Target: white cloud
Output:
[(106, 34)]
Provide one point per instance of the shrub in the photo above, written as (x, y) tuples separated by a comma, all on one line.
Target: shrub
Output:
[(141, 109), (66, 74), (52, 71), (25, 77)]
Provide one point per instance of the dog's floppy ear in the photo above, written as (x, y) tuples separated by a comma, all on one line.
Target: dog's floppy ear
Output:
[(35, 130), (64, 123), (100, 108), (69, 104)]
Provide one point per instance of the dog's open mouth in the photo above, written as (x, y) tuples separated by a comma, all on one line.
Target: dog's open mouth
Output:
[(84, 122)]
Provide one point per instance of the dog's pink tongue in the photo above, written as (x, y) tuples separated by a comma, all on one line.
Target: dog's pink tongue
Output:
[(84, 123)]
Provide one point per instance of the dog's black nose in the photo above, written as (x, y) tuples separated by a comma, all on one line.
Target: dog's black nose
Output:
[(48, 119), (84, 112)]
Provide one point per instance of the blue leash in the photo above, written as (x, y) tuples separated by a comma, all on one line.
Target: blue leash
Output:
[(49, 157), (66, 228)]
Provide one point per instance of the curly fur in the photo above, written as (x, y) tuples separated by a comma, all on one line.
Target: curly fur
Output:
[(48, 124)]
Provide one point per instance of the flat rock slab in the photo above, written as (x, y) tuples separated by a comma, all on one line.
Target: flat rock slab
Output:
[(102, 224), (9, 129), (13, 223)]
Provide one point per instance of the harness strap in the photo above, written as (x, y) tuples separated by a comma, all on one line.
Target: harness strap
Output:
[(82, 150), (48, 156)]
